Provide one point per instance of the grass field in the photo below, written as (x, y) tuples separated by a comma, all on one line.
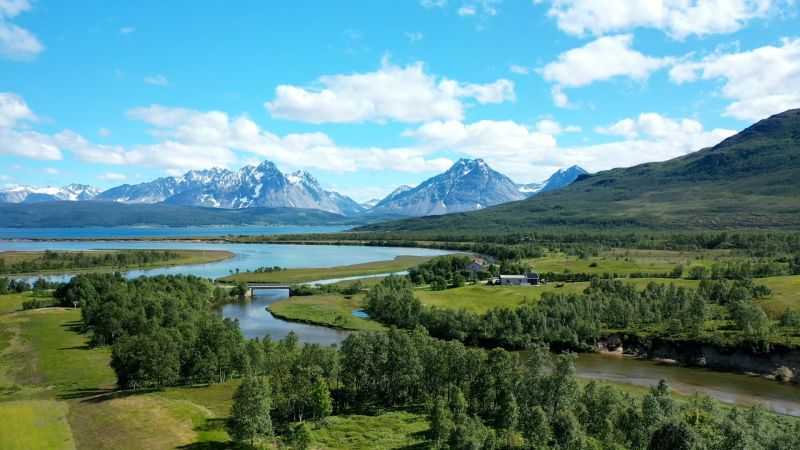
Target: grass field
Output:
[(34, 424), (330, 310), (398, 264), (185, 257), (785, 294), (392, 429), (627, 261)]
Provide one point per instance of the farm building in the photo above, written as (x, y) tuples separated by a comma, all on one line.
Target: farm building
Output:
[(530, 279), (476, 266)]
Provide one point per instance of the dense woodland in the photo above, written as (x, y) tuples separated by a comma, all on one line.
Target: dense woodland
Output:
[(162, 332), (50, 260)]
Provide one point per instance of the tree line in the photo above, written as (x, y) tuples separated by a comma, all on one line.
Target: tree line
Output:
[(50, 260), (577, 321)]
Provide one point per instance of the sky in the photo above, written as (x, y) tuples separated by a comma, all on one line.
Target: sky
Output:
[(369, 95)]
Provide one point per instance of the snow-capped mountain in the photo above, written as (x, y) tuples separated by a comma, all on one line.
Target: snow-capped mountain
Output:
[(468, 185), (369, 204), (31, 194), (561, 178), (263, 185)]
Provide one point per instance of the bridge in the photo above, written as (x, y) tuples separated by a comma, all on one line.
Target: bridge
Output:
[(255, 286)]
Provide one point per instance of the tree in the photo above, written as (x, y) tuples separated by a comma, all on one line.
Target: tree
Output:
[(441, 420), (673, 435), (458, 280), (250, 414), (146, 360), (300, 436)]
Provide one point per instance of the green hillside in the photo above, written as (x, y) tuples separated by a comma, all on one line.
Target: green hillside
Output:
[(750, 180)]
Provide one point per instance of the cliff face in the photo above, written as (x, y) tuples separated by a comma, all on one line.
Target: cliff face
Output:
[(778, 361)]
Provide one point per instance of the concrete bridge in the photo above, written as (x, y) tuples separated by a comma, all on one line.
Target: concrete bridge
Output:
[(254, 286)]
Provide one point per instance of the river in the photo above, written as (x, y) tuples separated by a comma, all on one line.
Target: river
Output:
[(255, 320)]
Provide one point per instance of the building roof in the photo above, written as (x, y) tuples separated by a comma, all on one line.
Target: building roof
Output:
[(532, 275), (515, 277)]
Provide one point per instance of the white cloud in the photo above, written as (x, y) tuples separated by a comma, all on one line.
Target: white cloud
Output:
[(677, 18), (307, 150), (16, 43), (466, 10), (104, 132), (158, 80), (112, 176), (14, 109), (4, 177), (51, 171), (427, 4), (127, 30), (15, 167), (519, 70), (603, 59), (405, 94), (529, 154), (761, 82), (414, 36)]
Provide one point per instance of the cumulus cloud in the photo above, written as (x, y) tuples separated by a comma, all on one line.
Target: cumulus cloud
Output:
[(16, 43), (519, 70), (194, 128), (677, 18), (414, 36), (427, 4), (466, 10), (531, 153), (760, 82), (603, 59), (405, 94), (158, 80)]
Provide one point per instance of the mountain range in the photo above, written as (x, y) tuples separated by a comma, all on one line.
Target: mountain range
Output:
[(468, 185), (749, 180)]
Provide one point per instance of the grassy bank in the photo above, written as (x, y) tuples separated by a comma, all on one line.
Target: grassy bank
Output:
[(398, 264), (328, 310), (183, 257)]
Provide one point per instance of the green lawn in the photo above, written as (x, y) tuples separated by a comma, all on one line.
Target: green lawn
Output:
[(331, 310), (185, 257), (398, 264)]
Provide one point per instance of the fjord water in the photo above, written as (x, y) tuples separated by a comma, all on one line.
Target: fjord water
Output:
[(247, 256)]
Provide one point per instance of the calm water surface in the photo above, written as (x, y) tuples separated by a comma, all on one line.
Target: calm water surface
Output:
[(256, 321)]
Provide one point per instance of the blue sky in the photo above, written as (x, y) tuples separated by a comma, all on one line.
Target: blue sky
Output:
[(369, 95)]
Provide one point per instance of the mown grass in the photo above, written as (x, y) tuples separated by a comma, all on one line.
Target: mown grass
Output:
[(34, 424), (185, 257), (398, 264), (331, 310)]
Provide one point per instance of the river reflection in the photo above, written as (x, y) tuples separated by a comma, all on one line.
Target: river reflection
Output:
[(724, 386), (256, 321)]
